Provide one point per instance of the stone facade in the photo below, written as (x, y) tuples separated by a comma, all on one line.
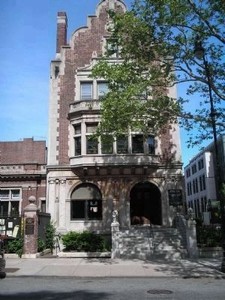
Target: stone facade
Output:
[(85, 184)]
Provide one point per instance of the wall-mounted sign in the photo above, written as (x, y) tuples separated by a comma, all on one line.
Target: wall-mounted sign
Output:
[(29, 226), (175, 197)]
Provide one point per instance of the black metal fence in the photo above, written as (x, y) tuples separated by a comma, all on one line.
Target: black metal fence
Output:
[(43, 221)]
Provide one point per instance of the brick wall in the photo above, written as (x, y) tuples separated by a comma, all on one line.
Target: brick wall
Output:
[(78, 55), (61, 31), (27, 151)]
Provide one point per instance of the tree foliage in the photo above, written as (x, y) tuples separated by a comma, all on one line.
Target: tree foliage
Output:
[(155, 41)]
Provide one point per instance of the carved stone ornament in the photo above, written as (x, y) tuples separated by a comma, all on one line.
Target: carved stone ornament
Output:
[(115, 216)]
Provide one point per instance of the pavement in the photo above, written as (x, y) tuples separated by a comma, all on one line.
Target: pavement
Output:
[(107, 267)]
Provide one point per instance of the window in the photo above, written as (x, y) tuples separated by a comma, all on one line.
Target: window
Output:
[(102, 89), (188, 173), (151, 144), (196, 185), (86, 90), (189, 189), (200, 164), (77, 129), (112, 48), (86, 203), (77, 139), (43, 205), (197, 207), (92, 145), (4, 194), (107, 144), (203, 182), (91, 127), (77, 145), (15, 194), (193, 184), (9, 202), (194, 169), (122, 144), (190, 204), (200, 183), (137, 143), (91, 142)]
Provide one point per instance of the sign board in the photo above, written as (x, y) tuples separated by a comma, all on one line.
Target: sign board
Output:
[(175, 197), (29, 226)]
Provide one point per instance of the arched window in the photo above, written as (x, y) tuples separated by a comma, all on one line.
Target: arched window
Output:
[(86, 203)]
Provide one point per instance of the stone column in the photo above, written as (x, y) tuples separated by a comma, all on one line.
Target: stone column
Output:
[(30, 229), (191, 236), (115, 230), (62, 207)]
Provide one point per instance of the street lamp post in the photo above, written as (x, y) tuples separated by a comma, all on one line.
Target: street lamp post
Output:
[(199, 52)]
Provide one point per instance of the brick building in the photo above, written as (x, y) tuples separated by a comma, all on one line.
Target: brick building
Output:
[(86, 180), (22, 174)]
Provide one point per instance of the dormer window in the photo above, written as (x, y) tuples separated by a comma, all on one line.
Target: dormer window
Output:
[(86, 90)]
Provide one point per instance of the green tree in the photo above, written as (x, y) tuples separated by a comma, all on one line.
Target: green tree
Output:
[(155, 42)]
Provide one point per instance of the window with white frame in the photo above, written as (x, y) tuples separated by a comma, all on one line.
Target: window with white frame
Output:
[(77, 139), (122, 144), (86, 90), (102, 89), (151, 144), (112, 48), (107, 144), (200, 164), (91, 142), (137, 143), (10, 202)]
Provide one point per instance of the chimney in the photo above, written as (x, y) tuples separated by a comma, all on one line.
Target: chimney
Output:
[(61, 31)]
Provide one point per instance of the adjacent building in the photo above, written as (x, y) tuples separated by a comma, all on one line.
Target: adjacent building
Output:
[(22, 174), (86, 179), (200, 180)]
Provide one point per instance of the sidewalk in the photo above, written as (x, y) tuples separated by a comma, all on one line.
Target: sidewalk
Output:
[(105, 267)]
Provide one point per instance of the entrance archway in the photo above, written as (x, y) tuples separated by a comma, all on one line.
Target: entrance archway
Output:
[(145, 204)]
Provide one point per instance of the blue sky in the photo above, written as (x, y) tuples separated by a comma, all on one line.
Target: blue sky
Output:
[(28, 42)]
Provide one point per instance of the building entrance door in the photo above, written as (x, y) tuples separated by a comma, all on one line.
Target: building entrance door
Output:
[(145, 204)]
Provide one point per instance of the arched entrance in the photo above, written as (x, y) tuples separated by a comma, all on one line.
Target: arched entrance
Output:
[(145, 204)]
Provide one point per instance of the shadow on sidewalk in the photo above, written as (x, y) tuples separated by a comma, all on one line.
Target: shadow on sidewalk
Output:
[(46, 295)]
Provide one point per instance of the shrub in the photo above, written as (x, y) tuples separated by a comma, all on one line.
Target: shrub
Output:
[(50, 236), (41, 245), (209, 236), (16, 246), (84, 241)]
